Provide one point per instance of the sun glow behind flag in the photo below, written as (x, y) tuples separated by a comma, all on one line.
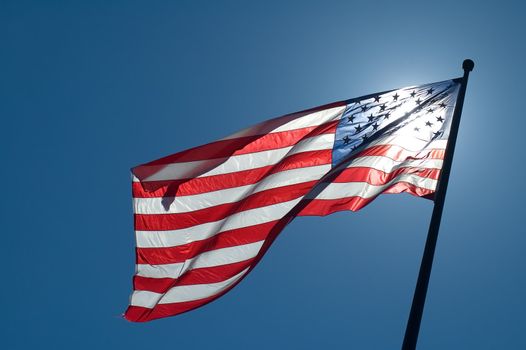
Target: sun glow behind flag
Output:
[(204, 217)]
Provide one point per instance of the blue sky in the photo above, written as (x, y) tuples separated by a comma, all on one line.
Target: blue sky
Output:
[(90, 89)]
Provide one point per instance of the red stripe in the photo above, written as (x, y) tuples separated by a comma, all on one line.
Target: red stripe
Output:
[(143, 314), (399, 153), (378, 177), (161, 222), (241, 178), (322, 207), (234, 237), (286, 138), (205, 275), (223, 148), (236, 146)]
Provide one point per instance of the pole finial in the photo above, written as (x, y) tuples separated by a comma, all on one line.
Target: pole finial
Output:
[(468, 65)]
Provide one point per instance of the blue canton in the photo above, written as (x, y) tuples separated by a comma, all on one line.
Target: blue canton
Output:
[(422, 112)]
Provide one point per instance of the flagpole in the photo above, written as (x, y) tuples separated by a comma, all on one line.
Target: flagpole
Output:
[(419, 297)]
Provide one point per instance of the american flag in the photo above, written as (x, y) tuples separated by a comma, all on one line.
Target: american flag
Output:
[(204, 217)]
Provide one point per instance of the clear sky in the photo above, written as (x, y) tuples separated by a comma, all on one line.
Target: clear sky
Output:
[(90, 89)]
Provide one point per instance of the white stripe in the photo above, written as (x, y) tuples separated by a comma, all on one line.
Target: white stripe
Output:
[(171, 238), (182, 204), (291, 122), (410, 143), (222, 256), (183, 170), (239, 162), (365, 190), (181, 294), (396, 152), (388, 165), (264, 158)]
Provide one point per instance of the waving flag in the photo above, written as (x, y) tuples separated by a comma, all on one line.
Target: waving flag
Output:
[(204, 217)]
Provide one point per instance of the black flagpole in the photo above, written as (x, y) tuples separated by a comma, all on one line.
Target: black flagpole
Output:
[(419, 298)]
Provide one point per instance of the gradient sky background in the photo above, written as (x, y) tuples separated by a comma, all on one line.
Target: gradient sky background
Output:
[(90, 89)]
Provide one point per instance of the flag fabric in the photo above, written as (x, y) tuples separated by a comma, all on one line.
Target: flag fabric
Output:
[(204, 217)]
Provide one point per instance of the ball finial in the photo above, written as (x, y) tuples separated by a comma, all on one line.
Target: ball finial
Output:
[(468, 65)]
